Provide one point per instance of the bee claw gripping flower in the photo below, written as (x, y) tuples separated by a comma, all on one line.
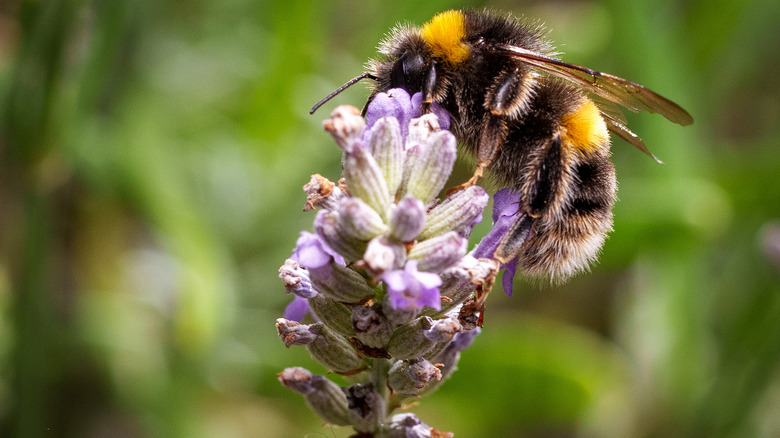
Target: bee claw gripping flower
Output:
[(386, 270)]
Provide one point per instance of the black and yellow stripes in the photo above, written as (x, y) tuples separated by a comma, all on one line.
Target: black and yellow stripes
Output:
[(444, 35)]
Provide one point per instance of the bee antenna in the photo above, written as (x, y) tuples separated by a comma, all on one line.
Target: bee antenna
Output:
[(349, 83)]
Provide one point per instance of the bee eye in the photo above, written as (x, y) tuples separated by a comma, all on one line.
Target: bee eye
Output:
[(408, 73)]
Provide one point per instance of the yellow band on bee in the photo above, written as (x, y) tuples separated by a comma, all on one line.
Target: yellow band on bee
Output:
[(584, 128), (444, 34)]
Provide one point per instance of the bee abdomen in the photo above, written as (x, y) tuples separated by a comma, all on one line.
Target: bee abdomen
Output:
[(565, 241)]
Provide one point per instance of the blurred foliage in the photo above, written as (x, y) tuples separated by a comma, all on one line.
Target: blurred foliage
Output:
[(152, 154)]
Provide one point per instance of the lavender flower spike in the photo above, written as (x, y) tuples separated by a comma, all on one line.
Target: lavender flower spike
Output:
[(369, 276)]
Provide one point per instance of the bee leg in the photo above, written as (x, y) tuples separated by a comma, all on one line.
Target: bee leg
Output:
[(490, 142), (492, 138), (511, 93)]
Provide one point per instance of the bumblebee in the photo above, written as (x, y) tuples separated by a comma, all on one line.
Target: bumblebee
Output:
[(538, 124)]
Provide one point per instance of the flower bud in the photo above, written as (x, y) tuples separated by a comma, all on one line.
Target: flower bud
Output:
[(333, 350), (449, 357), (371, 327), (459, 212), (341, 283), (298, 379), (443, 330), (296, 279), (366, 407), (365, 180), (409, 340), (328, 226), (407, 425), (324, 397), (398, 316), (321, 192), (359, 220), (421, 129), (383, 254), (333, 314), (385, 145), (294, 333), (346, 126), (432, 167), (440, 252), (457, 284), (411, 156), (442, 333), (410, 376), (407, 219), (463, 340)]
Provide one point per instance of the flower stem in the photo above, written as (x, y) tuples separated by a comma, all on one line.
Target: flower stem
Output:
[(379, 370)]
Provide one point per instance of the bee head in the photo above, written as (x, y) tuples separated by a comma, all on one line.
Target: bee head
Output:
[(409, 72)]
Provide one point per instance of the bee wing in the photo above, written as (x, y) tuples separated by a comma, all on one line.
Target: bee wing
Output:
[(626, 134), (616, 123), (609, 109), (629, 94)]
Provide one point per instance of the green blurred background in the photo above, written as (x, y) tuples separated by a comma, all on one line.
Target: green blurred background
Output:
[(152, 154)]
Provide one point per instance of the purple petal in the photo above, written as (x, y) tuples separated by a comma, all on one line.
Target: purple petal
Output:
[(395, 103), (311, 252), (488, 245), (505, 203), (397, 301), (296, 310), (507, 281), (409, 288), (441, 114), (430, 298), (505, 214), (428, 280), (395, 280), (463, 340)]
